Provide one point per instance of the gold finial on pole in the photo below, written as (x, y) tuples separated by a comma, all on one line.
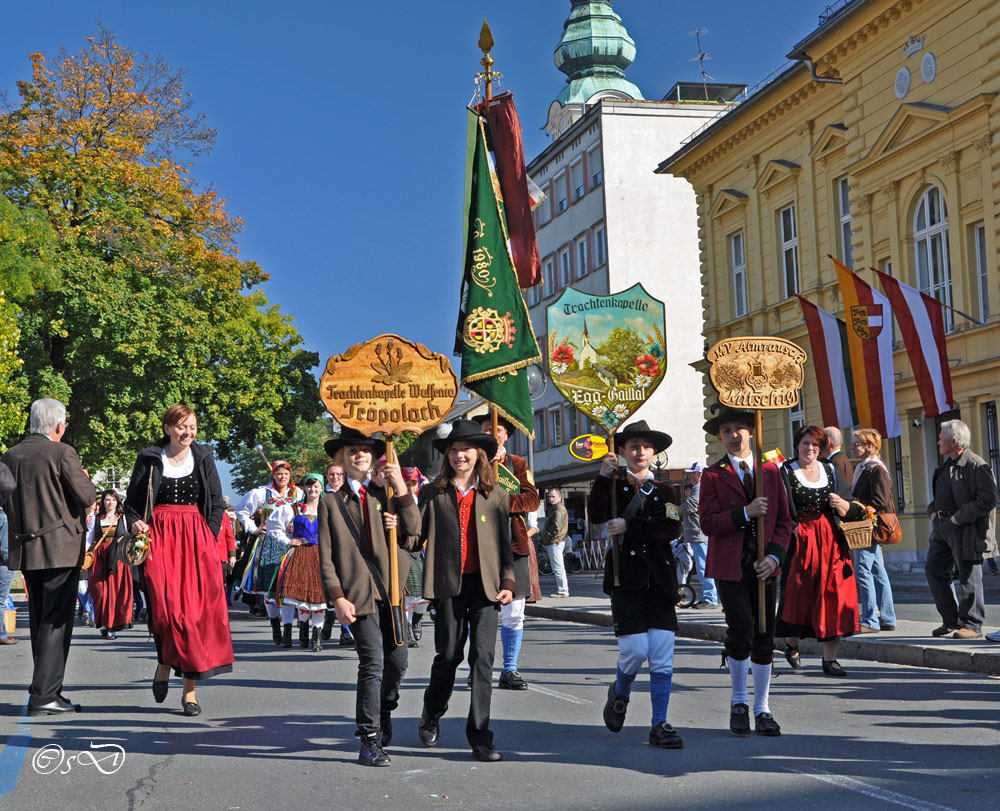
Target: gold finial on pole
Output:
[(486, 45)]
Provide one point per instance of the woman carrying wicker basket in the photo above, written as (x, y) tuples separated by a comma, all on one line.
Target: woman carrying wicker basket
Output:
[(820, 599), (871, 487)]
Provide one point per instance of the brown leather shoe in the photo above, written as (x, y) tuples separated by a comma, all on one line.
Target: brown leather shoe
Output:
[(9, 640), (966, 633), (866, 630)]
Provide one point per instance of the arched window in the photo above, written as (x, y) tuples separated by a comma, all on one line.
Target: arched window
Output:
[(930, 241)]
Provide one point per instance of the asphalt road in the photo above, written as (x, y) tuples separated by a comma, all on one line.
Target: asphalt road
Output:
[(277, 733)]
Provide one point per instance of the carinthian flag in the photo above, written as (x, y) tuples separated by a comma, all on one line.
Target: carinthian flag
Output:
[(832, 361), (869, 337), (508, 156), (494, 334), (921, 322)]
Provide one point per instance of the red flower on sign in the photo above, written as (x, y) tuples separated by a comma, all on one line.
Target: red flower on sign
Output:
[(562, 354), (648, 365)]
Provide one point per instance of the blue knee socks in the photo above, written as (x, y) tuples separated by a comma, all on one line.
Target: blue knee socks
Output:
[(659, 695), (623, 683), (510, 641)]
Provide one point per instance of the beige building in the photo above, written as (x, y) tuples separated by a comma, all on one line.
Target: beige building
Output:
[(875, 144)]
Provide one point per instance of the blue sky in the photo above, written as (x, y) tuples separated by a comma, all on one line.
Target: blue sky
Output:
[(341, 124)]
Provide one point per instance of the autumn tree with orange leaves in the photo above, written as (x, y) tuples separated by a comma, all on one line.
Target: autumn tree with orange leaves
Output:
[(131, 290)]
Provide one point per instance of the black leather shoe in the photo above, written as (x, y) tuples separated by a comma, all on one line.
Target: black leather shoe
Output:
[(511, 680), (418, 632), (487, 753), (614, 710), (792, 655), (739, 719), (429, 730), (766, 725), (664, 736), (833, 668), (887, 628), (372, 754), (386, 723), (76, 707), (160, 689), (58, 707), (192, 708)]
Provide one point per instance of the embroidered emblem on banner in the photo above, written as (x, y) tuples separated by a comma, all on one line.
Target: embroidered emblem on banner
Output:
[(485, 330)]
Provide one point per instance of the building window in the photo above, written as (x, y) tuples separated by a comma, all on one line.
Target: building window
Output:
[(533, 296), (549, 276), (539, 430), (544, 210), (559, 192), (600, 246), (930, 239), (897, 476), (596, 166), (576, 179), (982, 272), (571, 423), (737, 256), (565, 275), (796, 419), (555, 426), (846, 248), (582, 265), (789, 249)]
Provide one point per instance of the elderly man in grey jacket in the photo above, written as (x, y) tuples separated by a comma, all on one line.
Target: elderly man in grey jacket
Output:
[(694, 536), (962, 532), (47, 515)]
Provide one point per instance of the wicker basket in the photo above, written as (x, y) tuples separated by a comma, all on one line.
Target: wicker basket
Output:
[(9, 620), (858, 533)]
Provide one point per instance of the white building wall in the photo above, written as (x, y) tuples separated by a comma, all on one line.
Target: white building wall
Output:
[(652, 230)]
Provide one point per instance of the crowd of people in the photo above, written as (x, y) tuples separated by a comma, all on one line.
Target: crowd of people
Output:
[(344, 546)]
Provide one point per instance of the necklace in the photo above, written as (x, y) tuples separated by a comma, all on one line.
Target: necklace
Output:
[(177, 459)]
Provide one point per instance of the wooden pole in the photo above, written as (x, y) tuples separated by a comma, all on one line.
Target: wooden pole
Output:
[(615, 539), (395, 598), (494, 421), (758, 456)]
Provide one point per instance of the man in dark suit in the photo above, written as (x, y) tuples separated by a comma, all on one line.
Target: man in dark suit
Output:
[(47, 522), (728, 510), (836, 456)]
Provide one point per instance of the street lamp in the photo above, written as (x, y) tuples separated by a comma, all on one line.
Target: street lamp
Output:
[(537, 384)]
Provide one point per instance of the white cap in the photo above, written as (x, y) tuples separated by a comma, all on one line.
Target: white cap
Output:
[(696, 467)]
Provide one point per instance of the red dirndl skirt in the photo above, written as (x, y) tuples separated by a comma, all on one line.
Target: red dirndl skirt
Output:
[(111, 592), (820, 599), (187, 605)]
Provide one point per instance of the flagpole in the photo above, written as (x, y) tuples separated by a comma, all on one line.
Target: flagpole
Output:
[(486, 45), (758, 452)]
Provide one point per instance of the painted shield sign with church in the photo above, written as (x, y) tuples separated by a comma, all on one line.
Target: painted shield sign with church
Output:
[(607, 354)]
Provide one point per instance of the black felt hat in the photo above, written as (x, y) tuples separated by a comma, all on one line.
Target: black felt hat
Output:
[(471, 433), (501, 420), (350, 437), (659, 440), (724, 413)]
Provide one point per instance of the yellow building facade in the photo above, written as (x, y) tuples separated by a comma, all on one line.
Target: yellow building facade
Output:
[(876, 145)]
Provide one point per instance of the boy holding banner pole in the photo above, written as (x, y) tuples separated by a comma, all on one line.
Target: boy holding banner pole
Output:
[(643, 590)]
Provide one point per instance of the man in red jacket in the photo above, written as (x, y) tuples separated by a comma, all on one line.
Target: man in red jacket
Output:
[(728, 511)]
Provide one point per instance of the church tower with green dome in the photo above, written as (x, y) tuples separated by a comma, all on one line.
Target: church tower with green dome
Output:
[(593, 52)]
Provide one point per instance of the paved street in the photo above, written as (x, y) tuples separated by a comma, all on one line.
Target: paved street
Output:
[(277, 733)]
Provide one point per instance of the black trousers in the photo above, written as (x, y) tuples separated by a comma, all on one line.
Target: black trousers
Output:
[(381, 667), (744, 636), (468, 615), (51, 601)]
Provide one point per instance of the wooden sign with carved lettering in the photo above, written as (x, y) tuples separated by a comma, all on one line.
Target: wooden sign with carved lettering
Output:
[(388, 385), (757, 372)]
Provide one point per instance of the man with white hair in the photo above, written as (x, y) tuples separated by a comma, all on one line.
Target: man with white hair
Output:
[(695, 537), (962, 532), (836, 456), (47, 515)]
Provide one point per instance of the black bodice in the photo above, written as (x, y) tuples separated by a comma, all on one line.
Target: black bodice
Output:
[(184, 490)]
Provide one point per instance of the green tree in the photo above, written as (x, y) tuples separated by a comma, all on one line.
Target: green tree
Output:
[(146, 302), (619, 352)]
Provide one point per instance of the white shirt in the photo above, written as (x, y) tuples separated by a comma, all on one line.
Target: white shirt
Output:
[(172, 471)]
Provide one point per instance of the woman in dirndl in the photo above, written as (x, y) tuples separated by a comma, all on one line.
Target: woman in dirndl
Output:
[(110, 581), (819, 599), (176, 479), (299, 583)]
